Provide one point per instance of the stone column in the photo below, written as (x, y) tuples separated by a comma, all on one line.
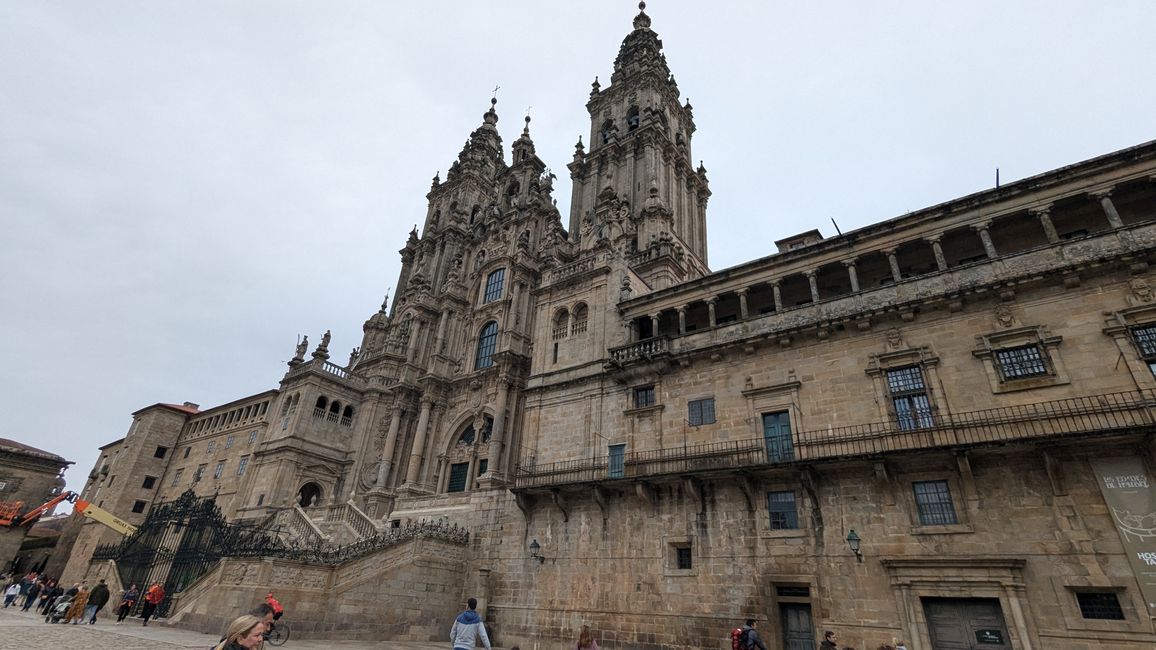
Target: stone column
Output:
[(414, 333), (743, 314), (498, 435), (710, 303), (418, 442), (390, 445), (654, 325), (473, 466), (852, 273), (937, 250), (777, 290), (985, 238), (813, 280), (515, 305), (682, 320), (1105, 199), (893, 260), (1044, 214), (439, 342)]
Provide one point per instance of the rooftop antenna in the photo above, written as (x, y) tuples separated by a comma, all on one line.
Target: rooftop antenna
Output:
[(836, 226)]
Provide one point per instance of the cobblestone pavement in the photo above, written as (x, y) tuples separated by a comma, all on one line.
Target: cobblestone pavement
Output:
[(24, 630)]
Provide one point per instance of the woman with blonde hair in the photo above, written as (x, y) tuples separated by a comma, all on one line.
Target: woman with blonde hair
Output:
[(586, 640), (243, 633)]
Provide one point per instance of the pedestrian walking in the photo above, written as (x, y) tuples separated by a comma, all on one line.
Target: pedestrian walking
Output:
[(468, 628), (747, 637), (11, 593), (152, 598), (97, 599), (586, 640), (76, 607), (829, 641), (56, 592), (31, 596), (127, 599)]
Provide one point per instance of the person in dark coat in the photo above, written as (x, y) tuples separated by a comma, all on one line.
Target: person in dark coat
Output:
[(31, 596), (97, 599)]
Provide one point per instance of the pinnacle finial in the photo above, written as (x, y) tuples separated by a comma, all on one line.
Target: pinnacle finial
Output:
[(642, 6), (526, 129), (642, 21), (491, 116)]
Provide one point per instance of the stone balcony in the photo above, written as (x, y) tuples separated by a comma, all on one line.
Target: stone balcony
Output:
[(1089, 416)]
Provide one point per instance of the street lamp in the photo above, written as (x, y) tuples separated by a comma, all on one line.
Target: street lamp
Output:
[(853, 541), (536, 551)]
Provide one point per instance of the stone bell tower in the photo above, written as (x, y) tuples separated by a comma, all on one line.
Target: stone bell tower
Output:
[(639, 177)]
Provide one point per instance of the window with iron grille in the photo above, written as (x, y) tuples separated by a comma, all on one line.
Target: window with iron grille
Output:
[(457, 482), (781, 506), (229, 442), (1145, 338), (212, 445), (177, 476), (487, 343), (1100, 604), (644, 396), (494, 283), (933, 500), (909, 397), (1021, 362), (700, 412), (220, 469), (252, 437)]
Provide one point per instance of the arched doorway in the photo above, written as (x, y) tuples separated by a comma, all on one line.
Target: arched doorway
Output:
[(309, 495)]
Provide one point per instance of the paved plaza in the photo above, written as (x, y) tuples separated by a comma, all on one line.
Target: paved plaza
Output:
[(24, 630)]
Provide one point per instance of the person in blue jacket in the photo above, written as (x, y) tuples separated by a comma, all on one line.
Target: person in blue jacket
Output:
[(468, 627)]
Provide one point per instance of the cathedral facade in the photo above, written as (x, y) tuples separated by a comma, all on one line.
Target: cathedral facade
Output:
[(936, 429)]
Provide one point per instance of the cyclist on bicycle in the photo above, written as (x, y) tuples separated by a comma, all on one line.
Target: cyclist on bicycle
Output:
[(278, 610)]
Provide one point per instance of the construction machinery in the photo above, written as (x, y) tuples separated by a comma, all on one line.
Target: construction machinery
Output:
[(12, 513)]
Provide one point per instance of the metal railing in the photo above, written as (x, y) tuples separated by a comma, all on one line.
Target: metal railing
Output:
[(1089, 415)]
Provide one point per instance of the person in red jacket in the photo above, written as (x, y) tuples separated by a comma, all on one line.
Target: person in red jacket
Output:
[(152, 598), (278, 610)]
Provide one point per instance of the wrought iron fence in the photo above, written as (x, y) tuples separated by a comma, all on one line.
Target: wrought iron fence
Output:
[(182, 540), (1088, 415)]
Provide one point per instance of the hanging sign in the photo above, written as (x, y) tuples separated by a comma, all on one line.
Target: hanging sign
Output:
[(1130, 494)]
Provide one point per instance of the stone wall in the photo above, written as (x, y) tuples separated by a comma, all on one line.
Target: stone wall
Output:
[(30, 476), (411, 591)]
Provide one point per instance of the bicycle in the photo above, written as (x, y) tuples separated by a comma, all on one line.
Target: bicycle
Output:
[(277, 634)]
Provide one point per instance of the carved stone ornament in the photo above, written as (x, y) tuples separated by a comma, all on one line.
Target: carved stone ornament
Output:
[(894, 339), (1141, 291), (1004, 317)]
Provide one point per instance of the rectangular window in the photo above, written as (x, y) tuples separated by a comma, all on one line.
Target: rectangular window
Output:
[(933, 500), (149, 482), (777, 436), (200, 473), (683, 557), (487, 343), (909, 397), (252, 437), (1100, 604), (644, 396), (139, 506), (229, 442), (220, 469), (187, 450), (494, 283), (177, 476), (483, 465), (700, 412), (616, 461), (781, 506), (110, 480), (1021, 362), (458, 473), (241, 465), (260, 499), (160, 452), (212, 445), (1145, 338)]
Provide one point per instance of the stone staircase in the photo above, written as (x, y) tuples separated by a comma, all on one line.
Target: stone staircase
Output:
[(336, 525)]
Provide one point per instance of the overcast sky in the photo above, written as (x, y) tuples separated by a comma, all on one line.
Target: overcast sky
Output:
[(185, 187)]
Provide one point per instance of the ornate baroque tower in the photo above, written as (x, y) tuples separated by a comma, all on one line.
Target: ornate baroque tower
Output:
[(639, 175)]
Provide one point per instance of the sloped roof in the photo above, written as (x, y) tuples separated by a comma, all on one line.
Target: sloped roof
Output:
[(28, 450)]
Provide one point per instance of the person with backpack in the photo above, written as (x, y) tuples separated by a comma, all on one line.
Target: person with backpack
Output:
[(747, 637)]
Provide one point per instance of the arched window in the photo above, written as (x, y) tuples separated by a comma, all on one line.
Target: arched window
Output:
[(467, 437), (581, 315), (495, 281), (348, 412), (335, 407), (322, 402), (607, 126), (474, 212), (632, 119), (487, 342), (561, 324), (309, 495)]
